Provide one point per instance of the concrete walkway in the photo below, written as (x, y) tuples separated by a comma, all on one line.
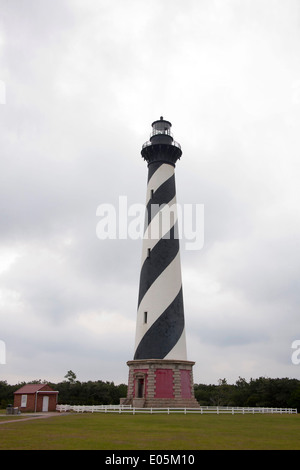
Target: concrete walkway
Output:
[(30, 416)]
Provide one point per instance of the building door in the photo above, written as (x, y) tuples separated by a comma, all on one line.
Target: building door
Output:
[(140, 388), (45, 403)]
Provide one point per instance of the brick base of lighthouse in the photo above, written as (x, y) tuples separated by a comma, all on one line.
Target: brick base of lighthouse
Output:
[(160, 383)]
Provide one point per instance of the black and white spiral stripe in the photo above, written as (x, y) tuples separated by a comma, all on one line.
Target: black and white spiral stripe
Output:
[(160, 332)]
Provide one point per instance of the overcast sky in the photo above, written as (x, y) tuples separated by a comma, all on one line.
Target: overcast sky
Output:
[(81, 83)]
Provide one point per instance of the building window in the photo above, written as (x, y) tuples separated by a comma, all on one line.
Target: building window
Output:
[(23, 401), (145, 317)]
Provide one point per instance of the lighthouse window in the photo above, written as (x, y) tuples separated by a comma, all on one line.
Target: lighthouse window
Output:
[(152, 193), (145, 317), (148, 253)]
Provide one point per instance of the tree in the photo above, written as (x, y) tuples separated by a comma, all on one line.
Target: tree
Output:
[(294, 399), (71, 376)]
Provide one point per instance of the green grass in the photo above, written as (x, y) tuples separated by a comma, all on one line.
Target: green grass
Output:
[(153, 432)]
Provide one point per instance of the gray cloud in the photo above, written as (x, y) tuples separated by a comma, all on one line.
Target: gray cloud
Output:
[(84, 81)]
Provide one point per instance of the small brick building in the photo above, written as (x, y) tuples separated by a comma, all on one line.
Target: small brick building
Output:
[(36, 397)]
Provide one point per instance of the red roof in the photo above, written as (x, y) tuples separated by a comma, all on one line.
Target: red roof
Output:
[(32, 388)]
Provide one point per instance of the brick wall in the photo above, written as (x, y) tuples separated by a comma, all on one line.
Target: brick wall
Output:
[(30, 406)]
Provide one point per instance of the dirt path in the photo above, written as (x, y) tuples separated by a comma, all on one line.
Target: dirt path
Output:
[(33, 416)]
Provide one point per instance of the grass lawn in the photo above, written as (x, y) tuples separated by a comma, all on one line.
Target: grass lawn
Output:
[(153, 432)]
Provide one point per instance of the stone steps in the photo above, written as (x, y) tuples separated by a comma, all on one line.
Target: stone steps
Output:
[(161, 403), (171, 403)]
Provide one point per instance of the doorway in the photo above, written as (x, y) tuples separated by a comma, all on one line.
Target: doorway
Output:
[(140, 388), (45, 403)]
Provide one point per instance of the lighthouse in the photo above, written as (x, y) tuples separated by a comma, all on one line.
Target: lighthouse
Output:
[(160, 374)]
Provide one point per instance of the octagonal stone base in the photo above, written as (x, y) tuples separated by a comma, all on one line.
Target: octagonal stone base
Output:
[(160, 383)]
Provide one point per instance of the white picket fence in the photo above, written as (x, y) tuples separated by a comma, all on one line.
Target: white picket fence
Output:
[(201, 410)]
